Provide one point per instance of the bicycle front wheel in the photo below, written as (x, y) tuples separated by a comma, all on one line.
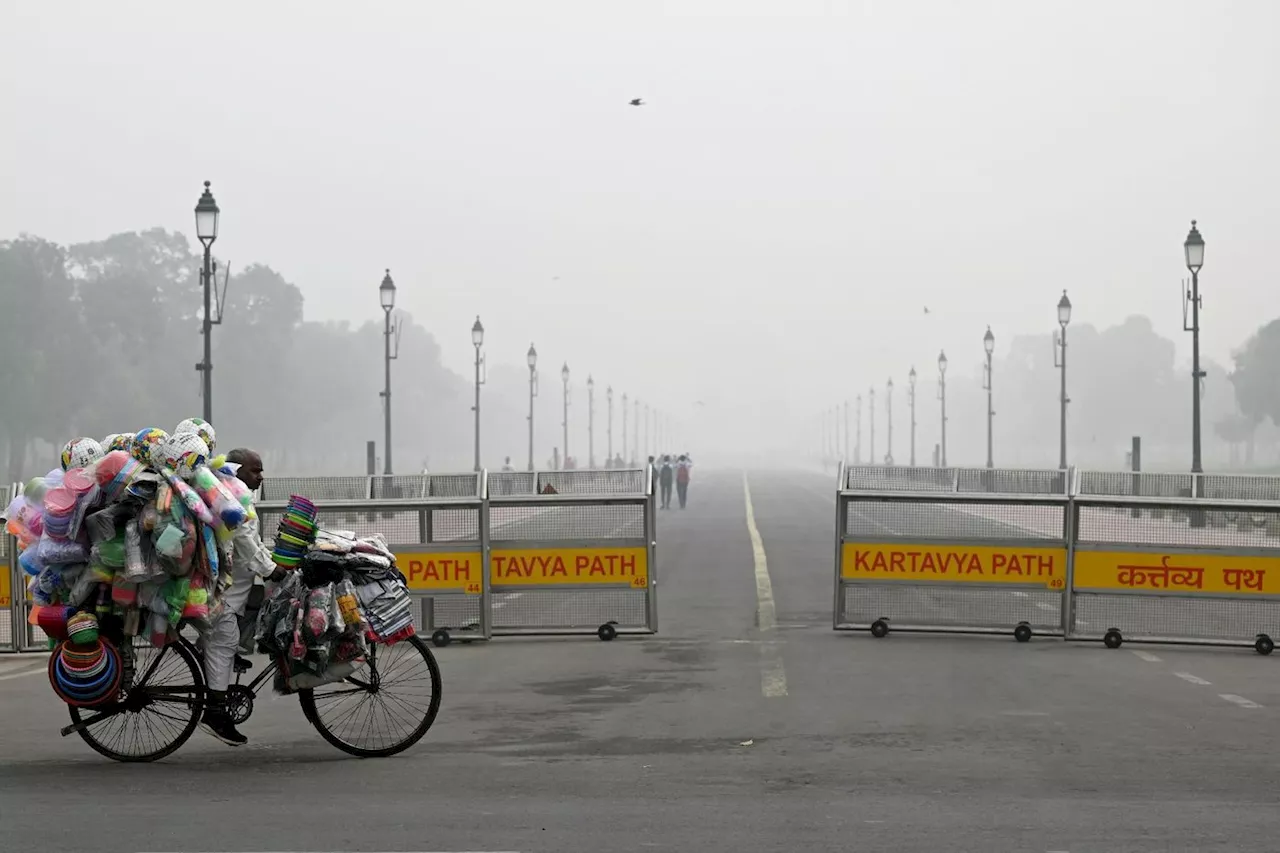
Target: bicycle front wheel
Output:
[(382, 708)]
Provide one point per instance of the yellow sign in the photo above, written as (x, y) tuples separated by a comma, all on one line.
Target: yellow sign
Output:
[(440, 572), (6, 584), (1177, 572), (954, 563), (556, 566)]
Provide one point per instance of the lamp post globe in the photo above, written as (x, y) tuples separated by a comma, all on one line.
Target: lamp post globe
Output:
[(531, 358), (207, 217), (477, 332), (387, 292), (1193, 248), (942, 363), (989, 341), (1064, 310)]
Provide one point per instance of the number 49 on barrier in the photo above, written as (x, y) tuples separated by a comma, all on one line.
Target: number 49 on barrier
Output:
[(1057, 583)]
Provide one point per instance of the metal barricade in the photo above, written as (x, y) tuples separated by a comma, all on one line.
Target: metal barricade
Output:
[(1179, 570), (11, 620), (573, 552), (436, 526), (943, 550)]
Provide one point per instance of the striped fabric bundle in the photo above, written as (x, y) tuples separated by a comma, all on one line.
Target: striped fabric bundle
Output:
[(386, 607)]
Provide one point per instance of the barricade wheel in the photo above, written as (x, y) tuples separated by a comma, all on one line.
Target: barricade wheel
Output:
[(607, 632), (879, 628), (440, 637), (1022, 633), (1264, 646), (1112, 639)]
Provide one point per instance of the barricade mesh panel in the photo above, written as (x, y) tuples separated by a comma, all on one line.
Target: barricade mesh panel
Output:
[(620, 482), (454, 525), (569, 609), (955, 521), (1173, 617), (400, 487), (897, 479), (908, 605), (1240, 487), (1180, 527), (1012, 482), (455, 485), (1123, 483), (316, 488), (458, 613), (397, 528), (600, 521), (512, 483), (6, 629)]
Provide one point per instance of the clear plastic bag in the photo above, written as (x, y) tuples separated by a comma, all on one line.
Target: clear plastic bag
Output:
[(55, 552), (135, 564), (316, 619)]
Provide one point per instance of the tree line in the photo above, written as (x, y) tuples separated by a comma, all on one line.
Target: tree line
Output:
[(103, 337)]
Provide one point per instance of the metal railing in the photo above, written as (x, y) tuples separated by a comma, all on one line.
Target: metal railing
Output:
[(1116, 556)]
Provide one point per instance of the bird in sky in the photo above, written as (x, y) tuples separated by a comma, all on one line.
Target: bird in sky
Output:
[(926, 309), (637, 102)]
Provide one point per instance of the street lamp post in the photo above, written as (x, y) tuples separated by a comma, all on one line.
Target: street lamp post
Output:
[(564, 377), (1194, 251), (846, 432), (624, 427), (207, 214), (911, 399), (608, 447), (648, 431), (857, 441), (871, 422), (989, 344), (888, 405), (635, 430), (477, 340), (531, 358), (591, 422), (942, 396), (1060, 362), (387, 298)]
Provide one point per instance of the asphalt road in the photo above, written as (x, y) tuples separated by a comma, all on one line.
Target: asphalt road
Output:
[(717, 735)]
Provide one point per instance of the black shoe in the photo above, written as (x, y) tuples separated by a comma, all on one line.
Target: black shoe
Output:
[(242, 664), (220, 726)]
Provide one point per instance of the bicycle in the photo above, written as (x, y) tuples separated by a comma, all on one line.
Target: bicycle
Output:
[(166, 691)]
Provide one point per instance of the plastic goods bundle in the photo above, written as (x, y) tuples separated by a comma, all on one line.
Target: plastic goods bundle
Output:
[(296, 533), (125, 538), (346, 594)]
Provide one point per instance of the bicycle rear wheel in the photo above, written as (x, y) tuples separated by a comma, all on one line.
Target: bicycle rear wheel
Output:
[(156, 714), (382, 708)]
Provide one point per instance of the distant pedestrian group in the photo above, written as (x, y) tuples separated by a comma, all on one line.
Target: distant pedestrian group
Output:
[(677, 472)]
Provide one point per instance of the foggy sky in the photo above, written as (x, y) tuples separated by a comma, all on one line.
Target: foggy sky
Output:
[(762, 236)]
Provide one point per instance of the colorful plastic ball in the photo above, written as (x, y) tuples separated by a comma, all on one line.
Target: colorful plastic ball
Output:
[(144, 442), (200, 427), (80, 453), (182, 452), (118, 441)]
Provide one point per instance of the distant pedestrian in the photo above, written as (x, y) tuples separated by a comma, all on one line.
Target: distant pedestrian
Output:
[(684, 470), (507, 466), (665, 477)]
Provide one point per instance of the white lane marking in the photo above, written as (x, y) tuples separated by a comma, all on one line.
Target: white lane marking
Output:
[(1194, 679), (1043, 606), (773, 678), (1146, 656), (510, 597), (25, 673), (1019, 594), (1239, 700), (1024, 713)]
